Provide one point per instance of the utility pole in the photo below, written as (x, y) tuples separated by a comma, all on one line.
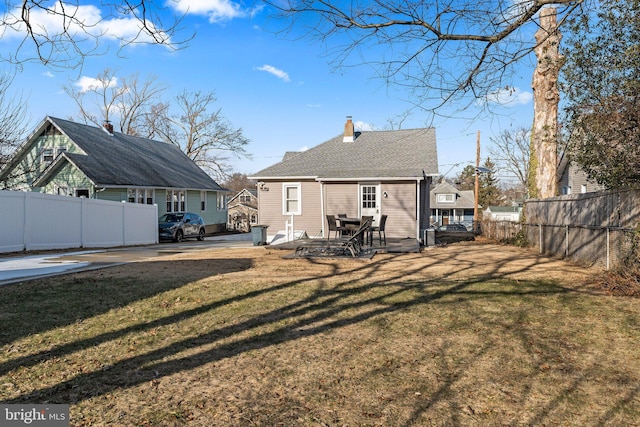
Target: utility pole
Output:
[(476, 225)]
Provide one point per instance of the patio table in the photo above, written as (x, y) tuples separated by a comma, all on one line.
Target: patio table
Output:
[(352, 224)]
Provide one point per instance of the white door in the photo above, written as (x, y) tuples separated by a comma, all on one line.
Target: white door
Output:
[(370, 201)]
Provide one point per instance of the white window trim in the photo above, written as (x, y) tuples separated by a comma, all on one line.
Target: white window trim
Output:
[(47, 152), (221, 201), (170, 199), (284, 198), (442, 198), (141, 192), (77, 190)]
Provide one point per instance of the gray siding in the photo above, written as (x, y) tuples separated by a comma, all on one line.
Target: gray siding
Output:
[(270, 206), (341, 198), (400, 208)]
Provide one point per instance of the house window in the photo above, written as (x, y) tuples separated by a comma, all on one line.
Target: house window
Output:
[(82, 192), (446, 198), (245, 199), (291, 199), (369, 196), (254, 218), (61, 191), (140, 195), (176, 201), (221, 201), (203, 200), (47, 155)]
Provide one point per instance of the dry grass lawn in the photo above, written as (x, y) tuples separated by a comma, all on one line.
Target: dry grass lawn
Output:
[(468, 334)]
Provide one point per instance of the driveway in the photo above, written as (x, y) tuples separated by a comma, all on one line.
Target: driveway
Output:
[(28, 267)]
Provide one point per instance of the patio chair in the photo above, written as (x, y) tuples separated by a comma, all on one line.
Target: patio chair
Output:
[(333, 226), (352, 246), (380, 229)]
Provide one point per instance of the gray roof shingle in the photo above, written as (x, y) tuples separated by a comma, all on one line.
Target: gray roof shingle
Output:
[(465, 198), (408, 153), (120, 159)]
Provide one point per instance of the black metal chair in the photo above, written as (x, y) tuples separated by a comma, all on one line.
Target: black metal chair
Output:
[(333, 226), (380, 229)]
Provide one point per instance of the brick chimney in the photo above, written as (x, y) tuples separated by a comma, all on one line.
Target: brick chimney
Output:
[(108, 127), (348, 130)]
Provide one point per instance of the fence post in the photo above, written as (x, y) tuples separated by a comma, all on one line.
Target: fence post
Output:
[(540, 238), (566, 241), (608, 249), (83, 221), (124, 222), (25, 233)]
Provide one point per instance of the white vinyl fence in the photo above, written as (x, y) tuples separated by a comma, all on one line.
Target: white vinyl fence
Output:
[(35, 221)]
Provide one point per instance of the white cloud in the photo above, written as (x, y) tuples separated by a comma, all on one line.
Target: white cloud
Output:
[(276, 72), (214, 10), (55, 20), (510, 97), (87, 83), (363, 126), (48, 74), (305, 148)]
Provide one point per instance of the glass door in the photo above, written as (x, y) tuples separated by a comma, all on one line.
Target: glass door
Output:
[(370, 201)]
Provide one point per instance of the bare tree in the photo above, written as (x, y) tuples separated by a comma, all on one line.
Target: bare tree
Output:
[(13, 127), (440, 51), (511, 152), (238, 182), (127, 101), (202, 133), (62, 34)]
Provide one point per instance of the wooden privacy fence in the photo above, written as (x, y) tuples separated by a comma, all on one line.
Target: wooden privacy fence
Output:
[(598, 229), (35, 221), (500, 230)]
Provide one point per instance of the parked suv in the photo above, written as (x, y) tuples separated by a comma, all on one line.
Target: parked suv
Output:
[(180, 225)]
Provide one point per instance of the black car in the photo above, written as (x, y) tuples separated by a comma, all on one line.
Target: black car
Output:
[(452, 227), (180, 225)]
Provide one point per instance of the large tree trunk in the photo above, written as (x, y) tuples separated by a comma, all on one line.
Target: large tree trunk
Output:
[(544, 163)]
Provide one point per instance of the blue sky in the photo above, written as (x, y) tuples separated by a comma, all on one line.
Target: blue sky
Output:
[(282, 92)]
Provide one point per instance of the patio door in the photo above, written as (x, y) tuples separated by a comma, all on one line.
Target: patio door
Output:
[(370, 201)]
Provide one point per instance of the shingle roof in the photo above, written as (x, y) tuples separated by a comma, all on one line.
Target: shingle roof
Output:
[(464, 200), (120, 159), (504, 209), (374, 154)]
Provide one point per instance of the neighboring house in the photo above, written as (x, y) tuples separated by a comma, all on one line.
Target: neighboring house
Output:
[(450, 205), (243, 210), (502, 213), (67, 158), (573, 180), (356, 173)]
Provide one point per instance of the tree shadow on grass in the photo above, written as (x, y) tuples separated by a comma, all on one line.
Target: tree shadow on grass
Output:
[(353, 296), (349, 293), (44, 304)]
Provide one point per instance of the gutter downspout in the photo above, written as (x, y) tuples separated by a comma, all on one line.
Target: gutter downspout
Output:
[(418, 209)]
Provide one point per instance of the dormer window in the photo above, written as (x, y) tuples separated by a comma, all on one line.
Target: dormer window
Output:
[(446, 198), (47, 155)]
